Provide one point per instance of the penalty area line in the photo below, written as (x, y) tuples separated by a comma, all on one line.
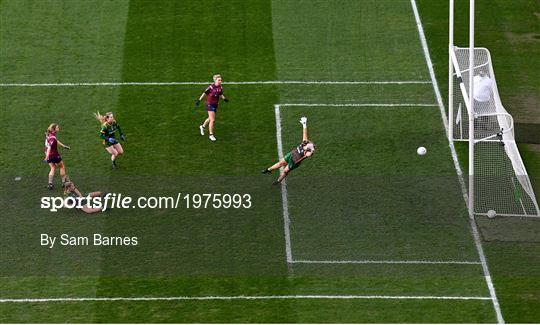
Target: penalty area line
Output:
[(360, 105), (189, 83), (202, 298), (284, 200), (388, 262)]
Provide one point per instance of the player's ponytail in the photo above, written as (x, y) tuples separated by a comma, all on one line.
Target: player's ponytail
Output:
[(53, 127), (99, 117), (102, 118)]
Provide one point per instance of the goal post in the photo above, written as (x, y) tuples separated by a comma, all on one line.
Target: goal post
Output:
[(471, 109), (450, 71), (497, 178)]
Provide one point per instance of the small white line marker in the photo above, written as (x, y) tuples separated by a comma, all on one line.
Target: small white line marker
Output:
[(194, 298), (387, 262), (188, 83)]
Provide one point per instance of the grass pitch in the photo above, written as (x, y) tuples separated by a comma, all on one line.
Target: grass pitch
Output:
[(365, 196)]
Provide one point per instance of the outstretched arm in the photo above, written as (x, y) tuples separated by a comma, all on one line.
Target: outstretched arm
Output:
[(206, 92), (62, 145), (198, 100), (303, 121)]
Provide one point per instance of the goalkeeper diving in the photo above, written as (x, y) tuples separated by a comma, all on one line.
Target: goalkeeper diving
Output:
[(294, 158)]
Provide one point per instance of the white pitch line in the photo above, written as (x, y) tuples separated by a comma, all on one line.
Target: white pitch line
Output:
[(284, 200), (478, 243), (188, 83), (195, 298), (387, 262), (361, 105)]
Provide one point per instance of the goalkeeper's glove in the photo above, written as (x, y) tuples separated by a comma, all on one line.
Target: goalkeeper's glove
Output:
[(197, 102), (67, 147), (123, 137), (226, 100), (303, 121), (112, 141)]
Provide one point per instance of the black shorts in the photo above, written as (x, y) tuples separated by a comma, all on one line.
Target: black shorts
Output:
[(211, 107), (54, 160)]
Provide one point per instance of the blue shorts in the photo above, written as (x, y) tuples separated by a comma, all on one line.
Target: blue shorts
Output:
[(54, 160), (211, 107)]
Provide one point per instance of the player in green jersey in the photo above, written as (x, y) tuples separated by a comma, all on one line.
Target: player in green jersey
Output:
[(109, 126), (294, 158)]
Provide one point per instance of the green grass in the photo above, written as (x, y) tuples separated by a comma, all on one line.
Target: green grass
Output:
[(307, 311), (508, 30), (365, 194)]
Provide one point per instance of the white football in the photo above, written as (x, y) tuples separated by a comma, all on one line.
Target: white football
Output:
[(421, 151), (491, 214)]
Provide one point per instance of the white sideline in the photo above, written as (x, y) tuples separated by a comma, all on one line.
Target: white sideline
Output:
[(285, 203), (188, 83), (361, 105), (478, 243), (387, 262), (195, 298)]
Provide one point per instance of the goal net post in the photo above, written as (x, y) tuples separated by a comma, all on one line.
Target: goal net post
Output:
[(501, 182)]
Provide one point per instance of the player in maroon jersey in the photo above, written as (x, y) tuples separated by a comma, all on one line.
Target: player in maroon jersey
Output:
[(52, 156), (214, 92)]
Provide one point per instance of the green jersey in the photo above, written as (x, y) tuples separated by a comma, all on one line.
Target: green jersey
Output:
[(294, 157), (109, 131)]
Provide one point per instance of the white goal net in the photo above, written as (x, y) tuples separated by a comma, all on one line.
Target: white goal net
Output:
[(501, 182)]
